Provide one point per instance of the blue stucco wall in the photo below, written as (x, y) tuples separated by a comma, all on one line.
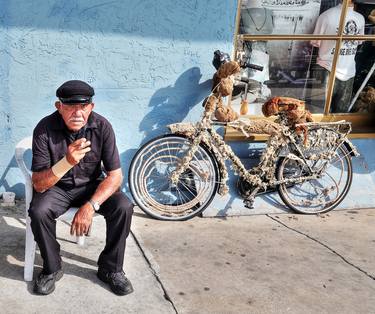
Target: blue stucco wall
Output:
[(149, 62)]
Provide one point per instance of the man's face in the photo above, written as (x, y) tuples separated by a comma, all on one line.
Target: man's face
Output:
[(74, 115)]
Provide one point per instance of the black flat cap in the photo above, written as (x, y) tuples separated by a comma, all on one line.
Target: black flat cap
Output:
[(75, 91)]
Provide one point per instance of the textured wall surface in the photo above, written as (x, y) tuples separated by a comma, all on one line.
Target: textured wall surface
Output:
[(149, 62)]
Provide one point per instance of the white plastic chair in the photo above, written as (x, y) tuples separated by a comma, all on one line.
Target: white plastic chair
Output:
[(30, 244)]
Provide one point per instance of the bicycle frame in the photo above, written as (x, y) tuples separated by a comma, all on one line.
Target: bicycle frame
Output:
[(176, 177), (261, 176)]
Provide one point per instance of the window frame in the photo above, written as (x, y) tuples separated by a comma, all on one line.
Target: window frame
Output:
[(363, 124)]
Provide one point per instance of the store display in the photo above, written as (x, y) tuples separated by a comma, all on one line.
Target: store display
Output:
[(256, 20), (327, 23)]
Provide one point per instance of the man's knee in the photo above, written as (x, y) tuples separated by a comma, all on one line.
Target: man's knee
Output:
[(40, 210), (122, 204), (125, 205)]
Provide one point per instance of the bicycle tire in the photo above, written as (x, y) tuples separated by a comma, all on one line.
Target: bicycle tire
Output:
[(309, 207), (151, 188)]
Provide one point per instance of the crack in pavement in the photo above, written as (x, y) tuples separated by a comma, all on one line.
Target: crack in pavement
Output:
[(166, 295), (325, 245)]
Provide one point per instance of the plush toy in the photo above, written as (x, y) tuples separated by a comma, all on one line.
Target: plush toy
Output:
[(294, 110), (223, 86), (225, 113), (366, 101)]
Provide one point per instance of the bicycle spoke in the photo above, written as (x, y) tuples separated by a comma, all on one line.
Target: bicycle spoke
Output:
[(183, 196), (323, 192), (195, 187), (187, 188)]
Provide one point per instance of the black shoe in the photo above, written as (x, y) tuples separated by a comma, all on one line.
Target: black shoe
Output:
[(45, 283), (119, 284)]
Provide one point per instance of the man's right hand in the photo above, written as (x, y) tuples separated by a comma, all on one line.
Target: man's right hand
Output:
[(77, 150)]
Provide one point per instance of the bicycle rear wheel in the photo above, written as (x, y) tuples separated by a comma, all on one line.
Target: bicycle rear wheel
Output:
[(316, 195), (152, 189)]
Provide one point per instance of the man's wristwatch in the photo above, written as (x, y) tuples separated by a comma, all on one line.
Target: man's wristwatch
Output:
[(95, 205)]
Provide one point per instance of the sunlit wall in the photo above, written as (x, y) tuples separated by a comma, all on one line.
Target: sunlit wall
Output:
[(149, 62)]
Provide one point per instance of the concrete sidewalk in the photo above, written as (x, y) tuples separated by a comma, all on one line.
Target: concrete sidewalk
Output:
[(266, 263), (79, 291), (255, 264)]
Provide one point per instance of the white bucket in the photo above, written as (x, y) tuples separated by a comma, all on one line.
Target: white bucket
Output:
[(8, 198)]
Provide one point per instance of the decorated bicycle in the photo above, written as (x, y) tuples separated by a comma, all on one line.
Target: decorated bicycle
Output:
[(176, 176)]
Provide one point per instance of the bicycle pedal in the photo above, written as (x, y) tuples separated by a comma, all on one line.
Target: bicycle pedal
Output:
[(249, 204)]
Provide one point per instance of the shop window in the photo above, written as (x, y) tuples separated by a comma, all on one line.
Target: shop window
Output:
[(355, 61), (288, 17), (362, 85), (367, 9), (289, 69), (320, 51)]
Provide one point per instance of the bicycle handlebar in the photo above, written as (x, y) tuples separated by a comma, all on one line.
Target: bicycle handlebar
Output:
[(248, 65), (243, 79), (252, 66)]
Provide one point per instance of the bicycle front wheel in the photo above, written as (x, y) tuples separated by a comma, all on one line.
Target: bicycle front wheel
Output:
[(316, 195), (152, 189)]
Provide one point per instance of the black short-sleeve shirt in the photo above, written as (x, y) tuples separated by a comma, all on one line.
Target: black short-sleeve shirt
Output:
[(51, 138)]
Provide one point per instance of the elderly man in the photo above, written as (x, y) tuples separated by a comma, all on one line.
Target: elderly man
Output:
[(68, 148)]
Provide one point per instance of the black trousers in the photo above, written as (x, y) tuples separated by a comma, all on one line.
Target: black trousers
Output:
[(46, 207)]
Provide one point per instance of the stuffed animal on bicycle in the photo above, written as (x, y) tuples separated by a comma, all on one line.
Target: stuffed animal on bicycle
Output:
[(294, 110), (223, 86)]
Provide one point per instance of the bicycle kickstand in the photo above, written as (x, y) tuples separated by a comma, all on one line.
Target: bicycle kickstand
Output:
[(249, 199)]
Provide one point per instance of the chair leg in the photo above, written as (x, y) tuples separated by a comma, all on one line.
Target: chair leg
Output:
[(30, 245)]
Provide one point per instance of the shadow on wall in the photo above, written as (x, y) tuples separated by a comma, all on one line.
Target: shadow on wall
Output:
[(117, 45), (172, 103), (169, 105)]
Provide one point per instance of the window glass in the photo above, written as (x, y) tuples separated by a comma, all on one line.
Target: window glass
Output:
[(354, 21), (290, 69), (367, 10), (288, 17), (362, 85), (302, 68), (353, 55)]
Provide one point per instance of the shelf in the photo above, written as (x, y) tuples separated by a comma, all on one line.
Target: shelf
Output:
[(363, 126)]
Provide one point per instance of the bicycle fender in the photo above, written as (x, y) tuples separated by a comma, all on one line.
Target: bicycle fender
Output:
[(184, 128), (351, 148)]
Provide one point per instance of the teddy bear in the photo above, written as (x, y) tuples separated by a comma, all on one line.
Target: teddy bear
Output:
[(222, 86), (294, 110)]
